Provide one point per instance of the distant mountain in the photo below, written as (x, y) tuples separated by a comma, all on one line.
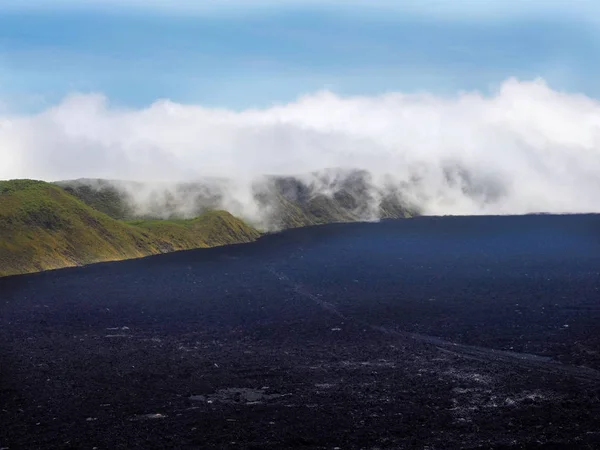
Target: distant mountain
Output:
[(329, 197), (43, 226), (70, 223), (269, 203)]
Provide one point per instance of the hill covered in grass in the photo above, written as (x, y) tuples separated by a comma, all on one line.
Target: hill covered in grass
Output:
[(269, 203), (43, 227), (69, 223)]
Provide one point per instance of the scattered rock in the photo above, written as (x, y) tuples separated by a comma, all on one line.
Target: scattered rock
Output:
[(246, 396), (152, 416)]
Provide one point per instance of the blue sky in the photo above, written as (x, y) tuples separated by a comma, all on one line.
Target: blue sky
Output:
[(258, 53)]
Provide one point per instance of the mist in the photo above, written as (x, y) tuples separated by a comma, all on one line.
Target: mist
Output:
[(525, 148)]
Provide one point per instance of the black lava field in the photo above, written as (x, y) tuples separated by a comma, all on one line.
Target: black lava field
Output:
[(435, 332)]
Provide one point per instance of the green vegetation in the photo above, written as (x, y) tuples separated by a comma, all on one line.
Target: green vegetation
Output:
[(212, 229), (43, 227), (102, 197), (47, 226), (286, 202)]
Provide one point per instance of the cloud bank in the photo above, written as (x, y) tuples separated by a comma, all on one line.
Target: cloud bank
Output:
[(527, 148)]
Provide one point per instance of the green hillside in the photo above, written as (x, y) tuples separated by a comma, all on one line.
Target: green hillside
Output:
[(43, 227), (101, 196), (287, 202)]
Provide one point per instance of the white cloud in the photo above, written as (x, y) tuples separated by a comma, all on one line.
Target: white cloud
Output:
[(536, 148)]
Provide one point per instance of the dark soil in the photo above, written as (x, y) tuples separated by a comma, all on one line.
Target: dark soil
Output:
[(437, 333)]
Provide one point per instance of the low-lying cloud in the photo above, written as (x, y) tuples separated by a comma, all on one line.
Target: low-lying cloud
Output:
[(527, 148)]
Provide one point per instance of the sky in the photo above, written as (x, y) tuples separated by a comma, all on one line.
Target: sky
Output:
[(241, 54), (504, 91)]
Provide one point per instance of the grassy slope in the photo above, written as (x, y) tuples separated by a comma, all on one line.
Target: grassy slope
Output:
[(103, 198), (44, 227), (211, 229), (290, 201)]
